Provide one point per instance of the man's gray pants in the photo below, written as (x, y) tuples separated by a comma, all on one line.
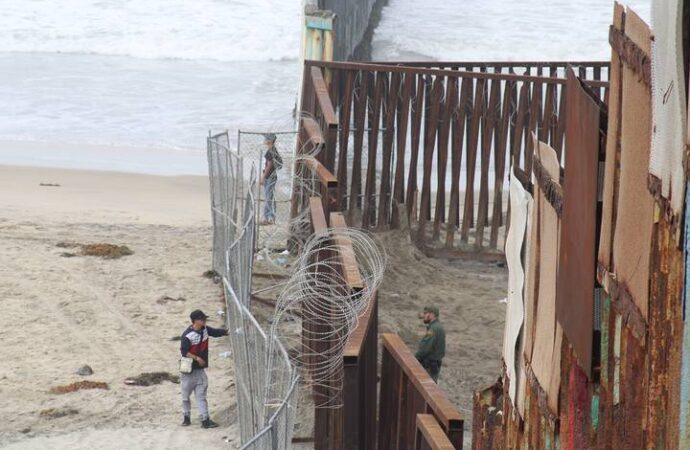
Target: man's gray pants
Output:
[(196, 382)]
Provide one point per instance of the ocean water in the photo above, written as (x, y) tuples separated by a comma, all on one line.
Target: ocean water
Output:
[(490, 30), (135, 85)]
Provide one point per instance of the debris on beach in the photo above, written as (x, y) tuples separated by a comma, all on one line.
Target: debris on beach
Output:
[(85, 370), (78, 385), (166, 298), (49, 184), (151, 378), (210, 274), (54, 413), (105, 251)]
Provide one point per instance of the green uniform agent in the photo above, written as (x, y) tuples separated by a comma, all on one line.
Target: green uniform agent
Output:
[(432, 347)]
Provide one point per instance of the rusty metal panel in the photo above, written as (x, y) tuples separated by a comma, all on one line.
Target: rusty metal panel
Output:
[(429, 435), (617, 361), (576, 267), (605, 333), (684, 432)]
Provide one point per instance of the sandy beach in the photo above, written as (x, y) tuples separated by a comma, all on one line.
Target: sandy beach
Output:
[(64, 312), (112, 315)]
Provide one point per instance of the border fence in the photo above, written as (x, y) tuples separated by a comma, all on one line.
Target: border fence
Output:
[(449, 133), (265, 378)]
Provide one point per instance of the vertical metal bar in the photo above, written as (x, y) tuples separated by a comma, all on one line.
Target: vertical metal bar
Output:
[(388, 140), (417, 110), (430, 132), (359, 115), (468, 213), (369, 209), (499, 162), (459, 123), (534, 122), (345, 112), (403, 120), (488, 124), (448, 105)]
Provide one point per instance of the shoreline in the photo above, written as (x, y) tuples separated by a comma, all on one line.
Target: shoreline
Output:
[(88, 196), (141, 160)]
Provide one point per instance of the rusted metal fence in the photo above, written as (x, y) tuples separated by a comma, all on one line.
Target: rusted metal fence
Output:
[(348, 420), (407, 390), (437, 139), (620, 379), (430, 435), (266, 378), (354, 424)]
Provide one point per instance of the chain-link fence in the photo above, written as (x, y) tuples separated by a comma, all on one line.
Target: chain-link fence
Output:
[(265, 378), (273, 202)]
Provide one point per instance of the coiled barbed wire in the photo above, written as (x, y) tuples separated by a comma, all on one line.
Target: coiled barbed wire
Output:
[(320, 296)]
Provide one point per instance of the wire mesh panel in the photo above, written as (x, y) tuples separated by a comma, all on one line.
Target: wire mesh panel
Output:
[(265, 377), (226, 175), (273, 201)]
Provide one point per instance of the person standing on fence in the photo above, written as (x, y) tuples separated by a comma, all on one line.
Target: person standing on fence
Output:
[(194, 345), (432, 347), (269, 178)]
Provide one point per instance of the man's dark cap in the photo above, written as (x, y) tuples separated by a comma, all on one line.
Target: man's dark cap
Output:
[(270, 137), (431, 309), (198, 315)]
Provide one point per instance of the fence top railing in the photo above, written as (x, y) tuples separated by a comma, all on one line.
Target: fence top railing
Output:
[(442, 408), (325, 176), (444, 72), (318, 217), (322, 97), (313, 131), (351, 272), (498, 64), (433, 434), (355, 342)]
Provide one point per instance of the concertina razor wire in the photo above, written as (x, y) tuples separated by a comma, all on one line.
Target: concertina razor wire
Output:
[(269, 367)]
